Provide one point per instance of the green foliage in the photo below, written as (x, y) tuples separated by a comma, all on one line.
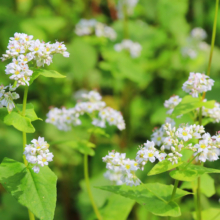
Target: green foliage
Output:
[(35, 191), (155, 197), (83, 146), (189, 103), (117, 208), (29, 112), (98, 131), (45, 73), (207, 185), (19, 122), (210, 213), (163, 166), (191, 172)]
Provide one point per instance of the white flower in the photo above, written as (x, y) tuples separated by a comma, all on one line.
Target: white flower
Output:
[(171, 103), (38, 153), (133, 48), (88, 27), (198, 33), (22, 49), (197, 83), (184, 133)]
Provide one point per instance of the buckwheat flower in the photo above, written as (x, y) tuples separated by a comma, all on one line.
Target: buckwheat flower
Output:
[(36, 169), (89, 27), (6, 98), (37, 153), (184, 133), (197, 83), (171, 103), (114, 177), (22, 49), (133, 48), (212, 113), (198, 33), (127, 5)]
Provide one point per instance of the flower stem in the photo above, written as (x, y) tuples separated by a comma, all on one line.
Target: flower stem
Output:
[(199, 216), (86, 174), (31, 215), (125, 22), (213, 40)]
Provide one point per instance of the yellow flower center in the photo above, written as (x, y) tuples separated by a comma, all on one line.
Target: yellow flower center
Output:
[(36, 48), (184, 133), (44, 159), (127, 166), (203, 146), (150, 155), (17, 72), (18, 50), (16, 38), (158, 138)]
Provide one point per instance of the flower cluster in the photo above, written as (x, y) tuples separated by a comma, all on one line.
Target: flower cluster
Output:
[(172, 139), (38, 153), (88, 27), (7, 97), (64, 118), (171, 103), (114, 176), (195, 43), (213, 113), (159, 134), (133, 48), (197, 83), (25, 51), (127, 5), (118, 163)]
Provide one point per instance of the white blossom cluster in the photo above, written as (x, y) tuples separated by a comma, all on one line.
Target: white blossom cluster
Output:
[(89, 27), (7, 97), (118, 163), (195, 43), (38, 153), (114, 177), (213, 113), (26, 52), (183, 137), (171, 103), (127, 5), (197, 83), (133, 48), (64, 118), (159, 134)]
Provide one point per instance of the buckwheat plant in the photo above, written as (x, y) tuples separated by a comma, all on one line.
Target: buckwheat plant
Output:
[(31, 183), (181, 146), (101, 116), (93, 27)]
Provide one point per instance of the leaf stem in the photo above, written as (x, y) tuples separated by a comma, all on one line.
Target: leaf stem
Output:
[(174, 190), (31, 215), (86, 174), (213, 41)]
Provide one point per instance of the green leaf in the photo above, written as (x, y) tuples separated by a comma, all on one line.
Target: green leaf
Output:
[(19, 122), (189, 103), (3, 113), (117, 208), (29, 112), (162, 167), (191, 172), (83, 146), (206, 121), (207, 185), (98, 131), (155, 197), (35, 191), (209, 214), (46, 73)]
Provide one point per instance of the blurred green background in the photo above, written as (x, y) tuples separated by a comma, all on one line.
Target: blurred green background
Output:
[(137, 87)]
